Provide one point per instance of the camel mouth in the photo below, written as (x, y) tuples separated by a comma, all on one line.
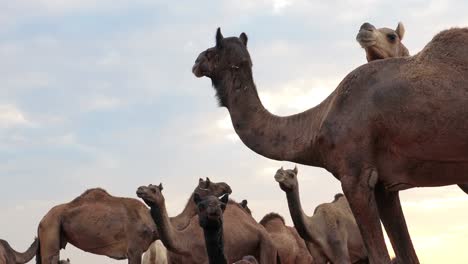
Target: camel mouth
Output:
[(196, 70), (366, 38), (140, 193)]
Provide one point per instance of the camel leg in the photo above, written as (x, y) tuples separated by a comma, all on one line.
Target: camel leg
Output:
[(394, 222), (268, 252), (318, 257), (49, 243), (359, 190), (134, 259)]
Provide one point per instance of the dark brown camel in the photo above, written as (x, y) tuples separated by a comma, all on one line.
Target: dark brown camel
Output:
[(390, 125), (9, 256), (382, 43), (210, 218), (242, 234)]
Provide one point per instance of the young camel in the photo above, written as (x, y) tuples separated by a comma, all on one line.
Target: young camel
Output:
[(386, 128), (210, 217), (243, 235), (9, 256), (291, 247), (382, 43), (157, 253), (332, 229)]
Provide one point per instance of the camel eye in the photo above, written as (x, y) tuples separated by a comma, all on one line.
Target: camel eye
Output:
[(391, 37)]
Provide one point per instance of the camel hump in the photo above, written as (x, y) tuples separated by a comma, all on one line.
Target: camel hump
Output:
[(92, 194), (271, 216)]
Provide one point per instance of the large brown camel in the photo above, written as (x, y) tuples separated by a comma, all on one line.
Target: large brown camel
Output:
[(382, 43), (99, 223), (210, 218), (9, 256), (390, 125), (291, 247), (242, 234), (157, 253), (332, 229)]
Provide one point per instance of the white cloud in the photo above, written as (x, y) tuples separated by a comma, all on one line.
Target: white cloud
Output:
[(11, 116)]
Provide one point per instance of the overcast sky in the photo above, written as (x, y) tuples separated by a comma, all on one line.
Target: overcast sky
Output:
[(100, 93)]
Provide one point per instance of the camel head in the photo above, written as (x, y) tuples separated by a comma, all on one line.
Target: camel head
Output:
[(227, 59), (207, 187), (287, 179), (151, 194), (382, 43), (65, 261), (210, 210)]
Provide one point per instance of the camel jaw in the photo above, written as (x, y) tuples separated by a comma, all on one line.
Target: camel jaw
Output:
[(279, 177), (196, 70)]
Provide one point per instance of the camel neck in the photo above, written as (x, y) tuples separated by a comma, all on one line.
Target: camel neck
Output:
[(289, 138), (214, 241), (168, 235), (300, 219)]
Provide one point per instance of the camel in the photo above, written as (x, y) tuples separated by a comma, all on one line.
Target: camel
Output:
[(99, 223), (242, 234), (390, 125), (332, 229), (291, 247), (67, 261), (157, 253), (9, 256), (382, 43), (210, 218), (247, 260)]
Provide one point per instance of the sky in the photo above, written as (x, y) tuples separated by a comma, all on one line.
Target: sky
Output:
[(101, 94)]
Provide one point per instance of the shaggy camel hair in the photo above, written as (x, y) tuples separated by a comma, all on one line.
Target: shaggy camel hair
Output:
[(291, 247), (99, 223), (210, 218), (390, 125), (242, 234), (9, 256), (332, 229), (382, 43), (157, 253)]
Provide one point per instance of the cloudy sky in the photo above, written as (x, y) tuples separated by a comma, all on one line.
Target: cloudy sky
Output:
[(100, 93)]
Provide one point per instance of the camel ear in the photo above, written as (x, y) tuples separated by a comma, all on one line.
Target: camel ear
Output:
[(200, 180), (295, 169), (219, 38), (208, 181), (243, 38), (400, 30), (244, 203), (196, 198), (281, 169), (160, 186), (68, 259)]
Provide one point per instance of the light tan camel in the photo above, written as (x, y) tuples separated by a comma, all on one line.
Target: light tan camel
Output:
[(9, 256), (157, 253), (243, 235), (99, 223), (67, 261), (332, 229), (390, 125), (247, 260), (291, 247), (382, 43)]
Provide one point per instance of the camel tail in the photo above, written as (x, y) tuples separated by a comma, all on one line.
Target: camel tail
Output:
[(38, 252)]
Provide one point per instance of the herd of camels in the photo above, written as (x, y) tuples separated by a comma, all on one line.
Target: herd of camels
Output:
[(394, 123)]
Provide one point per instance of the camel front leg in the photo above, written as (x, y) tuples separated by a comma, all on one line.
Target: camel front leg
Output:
[(134, 259), (268, 252), (359, 190), (394, 222)]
